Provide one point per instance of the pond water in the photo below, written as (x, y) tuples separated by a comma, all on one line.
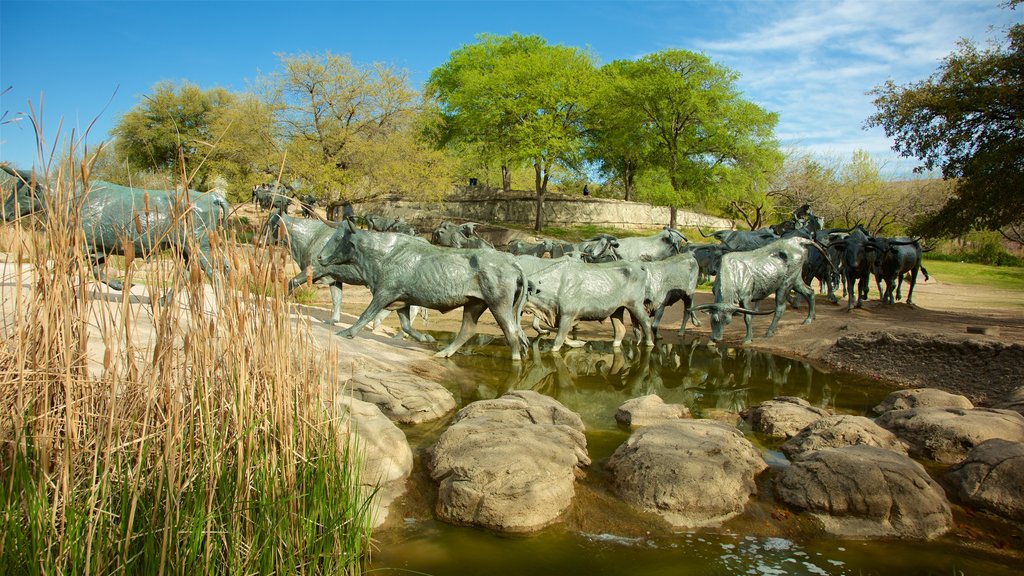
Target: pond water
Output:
[(601, 535)]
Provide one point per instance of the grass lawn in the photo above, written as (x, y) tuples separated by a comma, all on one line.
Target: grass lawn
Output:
[(1003, 277)]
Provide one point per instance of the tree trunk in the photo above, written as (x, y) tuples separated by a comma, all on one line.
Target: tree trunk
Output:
[(627, 180), (540, 182), (506, 178), (673, 212)]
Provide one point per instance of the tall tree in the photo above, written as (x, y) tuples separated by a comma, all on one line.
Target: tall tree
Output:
[(619, 136), (517, 100), (173, 124), (347, 128), (713, 144), (967, 119)]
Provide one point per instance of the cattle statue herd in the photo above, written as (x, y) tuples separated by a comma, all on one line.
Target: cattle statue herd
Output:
[(558, 283)]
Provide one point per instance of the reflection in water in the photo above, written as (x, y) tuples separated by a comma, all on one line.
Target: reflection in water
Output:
[(702, 377)]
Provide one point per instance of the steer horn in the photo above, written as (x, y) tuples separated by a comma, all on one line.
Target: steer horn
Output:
[(702, 232), (23, 175)]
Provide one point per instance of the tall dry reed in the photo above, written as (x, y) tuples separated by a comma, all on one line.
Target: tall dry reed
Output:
[(192, 434)]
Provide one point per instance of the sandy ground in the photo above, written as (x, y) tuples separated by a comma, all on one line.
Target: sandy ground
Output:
[(926, 344)]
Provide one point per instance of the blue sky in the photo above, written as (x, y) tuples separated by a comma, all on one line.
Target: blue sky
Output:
[(811, 61)]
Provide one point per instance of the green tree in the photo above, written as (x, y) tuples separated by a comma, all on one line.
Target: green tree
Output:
[(619, 136), (967, 119), (714, 145), (349, 131), (172, 130), (515, 100)]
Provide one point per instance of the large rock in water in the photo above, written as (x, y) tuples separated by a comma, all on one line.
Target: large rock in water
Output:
[(991, 478), (948, 434), (647, 410), (866, 492), (691, 472), (783, 416), (922, 398), (841, 430), (508, 464), (382, 449), (405, 398)]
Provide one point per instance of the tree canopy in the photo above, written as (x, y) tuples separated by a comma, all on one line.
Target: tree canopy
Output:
[(968, 119), (171, 125), (515, 100), (681, 113)]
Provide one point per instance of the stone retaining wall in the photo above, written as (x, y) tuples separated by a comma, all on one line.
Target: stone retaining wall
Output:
[(519, 208)]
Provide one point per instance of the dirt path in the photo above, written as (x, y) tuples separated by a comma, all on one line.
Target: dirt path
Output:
[(927, 344)]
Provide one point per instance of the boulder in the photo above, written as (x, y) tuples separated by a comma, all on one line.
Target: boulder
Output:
[(384, 453), (508, 464), (841, 430), (922, 398), (691, 472), (647, 410), (866, 492), (947, 434), (403, 397), (783, 416), (1014, 401), (990, 478)]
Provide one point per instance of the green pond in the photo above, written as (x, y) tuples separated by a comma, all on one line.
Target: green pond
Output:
[(601, 535)]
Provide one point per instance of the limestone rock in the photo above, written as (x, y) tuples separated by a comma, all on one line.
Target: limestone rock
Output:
[(1015, 401), (383, 450), (948, 434), (783, 416), (991, 478), (922, 398), (866, 492), (405, 398), (691, 472), (647, 410), (508, 464), (841, 430)]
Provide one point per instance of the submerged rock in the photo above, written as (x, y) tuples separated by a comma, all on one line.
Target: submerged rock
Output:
[(841, 430), (647, 410), (508, 464), (405, 398), (783, 416), (922, 398), (948, 434), (990, 478), (691, 472), (866, 492)]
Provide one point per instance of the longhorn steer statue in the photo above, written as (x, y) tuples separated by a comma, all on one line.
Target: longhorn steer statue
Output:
[(272, 196), (407, 268), (896, 257), (709, 257), (113, 217), (740, 240), (565, 290), (665, 244), (746, 278), (458, 236), (669, 281), (520, 247), (857, 255), (305, 239)]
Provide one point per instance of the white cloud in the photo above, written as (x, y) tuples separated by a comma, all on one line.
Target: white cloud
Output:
[(813, 62)]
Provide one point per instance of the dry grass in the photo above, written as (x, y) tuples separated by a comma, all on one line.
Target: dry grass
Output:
[(210, 446)]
